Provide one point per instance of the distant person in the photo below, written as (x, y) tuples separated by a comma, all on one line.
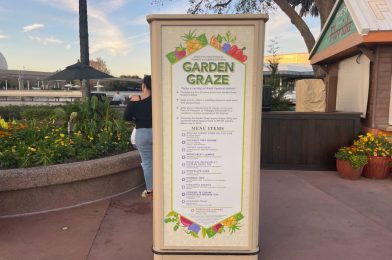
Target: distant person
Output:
[(139, 111), (118, 99)]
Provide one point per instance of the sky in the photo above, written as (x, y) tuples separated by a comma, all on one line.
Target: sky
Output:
[(43, 35)]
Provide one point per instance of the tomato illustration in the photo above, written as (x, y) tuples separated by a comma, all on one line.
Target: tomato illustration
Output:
[(185, 222)]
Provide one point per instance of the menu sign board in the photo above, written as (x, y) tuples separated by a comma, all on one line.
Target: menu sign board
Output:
[(209, 116), (207, 126)]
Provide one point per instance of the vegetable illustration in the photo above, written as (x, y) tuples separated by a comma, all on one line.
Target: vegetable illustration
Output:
[(237, 53), (229, 40), (230, 222), (194, 227), (180, 52), (171, 56), (185, 222), (226, 47), (218, 228), (232, 50), (215, 42), (192, 44)]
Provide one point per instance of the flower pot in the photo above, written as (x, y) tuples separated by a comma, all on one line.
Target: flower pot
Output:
[(377, 168), (346, 171)]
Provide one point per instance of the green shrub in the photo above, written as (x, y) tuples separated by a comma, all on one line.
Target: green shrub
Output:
[(98, 131), (11, 112), (33, 112), (38, 113)]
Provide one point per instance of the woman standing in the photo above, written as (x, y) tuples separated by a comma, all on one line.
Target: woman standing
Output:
[(140, 112)]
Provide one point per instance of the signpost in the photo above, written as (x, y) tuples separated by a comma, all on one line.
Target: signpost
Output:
[(206, 88)]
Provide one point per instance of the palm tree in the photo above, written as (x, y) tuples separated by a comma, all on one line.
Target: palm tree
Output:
[(84, 48)]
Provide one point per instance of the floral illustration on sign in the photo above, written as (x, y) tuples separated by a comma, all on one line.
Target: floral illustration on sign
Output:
[(180, 222), (194, 42)]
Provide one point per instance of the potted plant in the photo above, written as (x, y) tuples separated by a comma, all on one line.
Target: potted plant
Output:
[(378, 149), (350, 161)]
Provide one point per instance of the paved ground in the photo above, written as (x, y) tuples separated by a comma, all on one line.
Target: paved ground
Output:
[(304, 215)]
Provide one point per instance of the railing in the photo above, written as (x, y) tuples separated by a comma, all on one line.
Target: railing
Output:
[(5, 94)]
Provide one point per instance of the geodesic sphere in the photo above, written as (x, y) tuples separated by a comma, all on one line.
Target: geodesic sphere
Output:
[(3, 62)]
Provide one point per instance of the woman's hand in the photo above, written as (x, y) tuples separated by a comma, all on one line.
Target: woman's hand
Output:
[(135, 98)]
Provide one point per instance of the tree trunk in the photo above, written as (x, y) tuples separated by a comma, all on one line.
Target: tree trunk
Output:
[(324, 7), (84, 48)]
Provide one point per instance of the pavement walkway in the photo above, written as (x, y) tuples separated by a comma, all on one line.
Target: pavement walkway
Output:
[(303, 215)]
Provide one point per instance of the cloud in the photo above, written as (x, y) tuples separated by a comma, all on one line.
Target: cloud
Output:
[(111, 5), (4, 10), (68, 46), (46, 41), (2, 36), (142, 38), (287, 35), (103, 35), (177, 7), (68, 5), (32, 27)]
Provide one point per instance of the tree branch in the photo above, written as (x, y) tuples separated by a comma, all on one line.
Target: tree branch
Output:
[(298, 22), (223, 5), (197, 7)]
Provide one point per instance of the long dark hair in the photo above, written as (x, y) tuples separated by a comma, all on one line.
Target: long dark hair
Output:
[(147, 81)]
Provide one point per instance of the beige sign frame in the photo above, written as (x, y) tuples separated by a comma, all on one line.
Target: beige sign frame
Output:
[(157, 24)]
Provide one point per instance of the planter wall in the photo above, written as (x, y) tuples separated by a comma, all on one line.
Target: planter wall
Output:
[(45, 188)]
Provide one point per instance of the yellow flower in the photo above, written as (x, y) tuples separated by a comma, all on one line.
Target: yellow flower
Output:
[(3, 123), (32, 149), (62, 135)]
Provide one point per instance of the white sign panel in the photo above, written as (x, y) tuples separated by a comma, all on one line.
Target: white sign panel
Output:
[(208, 90), (206, 173)]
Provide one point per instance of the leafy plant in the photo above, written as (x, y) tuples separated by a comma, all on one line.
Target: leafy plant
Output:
[(98, 131), (278, 102), (374, 145), (356, 157)]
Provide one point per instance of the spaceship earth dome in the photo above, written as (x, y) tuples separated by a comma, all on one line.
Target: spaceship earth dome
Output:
[(3, 62)]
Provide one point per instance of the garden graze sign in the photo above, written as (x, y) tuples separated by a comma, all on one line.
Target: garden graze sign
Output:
[(206, 77)]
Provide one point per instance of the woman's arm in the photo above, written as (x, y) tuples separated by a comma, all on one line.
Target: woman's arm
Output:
[(128, 113)]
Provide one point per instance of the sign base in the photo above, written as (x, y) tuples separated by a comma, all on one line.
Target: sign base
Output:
[(205, 257), (184, 255)]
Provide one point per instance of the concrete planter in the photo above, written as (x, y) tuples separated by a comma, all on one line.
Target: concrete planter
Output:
[(52, 187)]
